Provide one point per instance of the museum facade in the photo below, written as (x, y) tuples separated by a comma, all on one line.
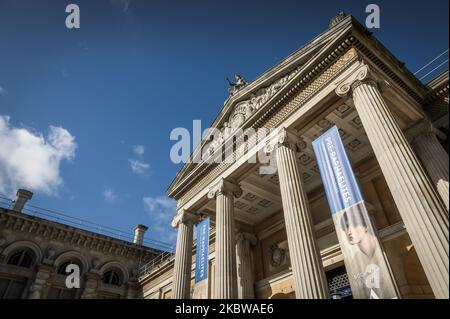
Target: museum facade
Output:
[(270, 231), (272, 235)]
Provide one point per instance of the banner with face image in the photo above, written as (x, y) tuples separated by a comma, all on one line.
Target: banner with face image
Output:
[(368, 271)]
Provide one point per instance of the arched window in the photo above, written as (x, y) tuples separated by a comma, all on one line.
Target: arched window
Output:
[(23, 258), (63, 266), (112, 277)]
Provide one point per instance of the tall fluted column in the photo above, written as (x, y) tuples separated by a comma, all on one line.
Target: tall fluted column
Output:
[(435, 160), (419, 205), (183, 255), (244, 265), (307, 269), (226, 278)]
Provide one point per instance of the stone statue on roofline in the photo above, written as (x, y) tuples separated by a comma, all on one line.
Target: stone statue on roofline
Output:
[(239, 84)]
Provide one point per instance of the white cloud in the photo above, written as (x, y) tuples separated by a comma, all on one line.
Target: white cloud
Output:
[(139, 150), (30, 160), (110, 196), (138, 167), (2, 91), (160, 204), (161, 210)]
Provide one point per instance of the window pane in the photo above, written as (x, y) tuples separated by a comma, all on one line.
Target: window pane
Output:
[(62, 268), (27, 260), (112, 277), (15, 290), (115, 279), (22, 258), (3, 285), (15, 258)]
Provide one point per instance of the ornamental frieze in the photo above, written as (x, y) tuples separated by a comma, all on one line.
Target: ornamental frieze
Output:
[(244, 109)]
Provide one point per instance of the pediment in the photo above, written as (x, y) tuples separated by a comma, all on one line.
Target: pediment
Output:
[(247, 101)]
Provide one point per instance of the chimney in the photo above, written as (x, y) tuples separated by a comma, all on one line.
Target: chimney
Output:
[(23, 196), (139, 232)]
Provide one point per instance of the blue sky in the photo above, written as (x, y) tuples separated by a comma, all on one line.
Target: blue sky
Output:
[(88, 112)]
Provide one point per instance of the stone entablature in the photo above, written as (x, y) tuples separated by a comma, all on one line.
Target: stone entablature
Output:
[(108, 266), (74, 236), (439, 87)]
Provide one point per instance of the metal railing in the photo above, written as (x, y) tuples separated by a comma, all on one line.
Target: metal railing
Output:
[(159, 261), (156, 262), (430, 68), (62, 218), (167, 250)]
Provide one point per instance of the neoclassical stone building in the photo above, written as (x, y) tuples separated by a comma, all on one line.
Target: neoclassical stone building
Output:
[(34, 253), (272, 234)]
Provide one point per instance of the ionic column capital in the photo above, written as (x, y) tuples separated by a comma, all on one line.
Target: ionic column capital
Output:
[(422, 128), (225, 186), (184, 217), (285, 137), (362, 74)]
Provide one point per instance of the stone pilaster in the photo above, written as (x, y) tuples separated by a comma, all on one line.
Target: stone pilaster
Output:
[(308, 274), (226, 277), (40, 281), (419, 205), (184, 221), (245, 268), (93, 278), (434, 159), (132, 289)]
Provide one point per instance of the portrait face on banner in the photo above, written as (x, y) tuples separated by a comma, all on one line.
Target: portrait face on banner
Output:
[(362, 252), (359, 235)]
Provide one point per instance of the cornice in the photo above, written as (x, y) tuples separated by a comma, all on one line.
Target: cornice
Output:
[(438, 87), (74, 236), (380, 57)]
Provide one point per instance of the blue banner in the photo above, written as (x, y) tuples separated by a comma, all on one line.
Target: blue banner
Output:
[(368, 271), (201, 258), (340, 184)]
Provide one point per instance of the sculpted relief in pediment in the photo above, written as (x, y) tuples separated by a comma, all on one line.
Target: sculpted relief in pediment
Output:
[(244, 109)]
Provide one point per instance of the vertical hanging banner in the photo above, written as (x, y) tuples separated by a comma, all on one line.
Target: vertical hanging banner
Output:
[(367, 268), (201, 260)]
